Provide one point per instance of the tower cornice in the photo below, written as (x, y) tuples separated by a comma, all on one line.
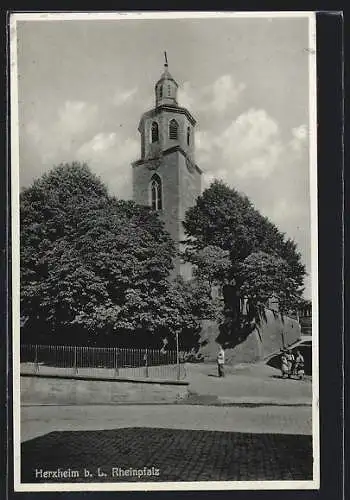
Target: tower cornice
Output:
[(155, 160), (172, 109)]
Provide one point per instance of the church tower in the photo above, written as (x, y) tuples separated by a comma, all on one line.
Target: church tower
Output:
[(166, 176)]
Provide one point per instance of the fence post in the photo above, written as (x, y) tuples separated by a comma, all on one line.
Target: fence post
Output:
[(283, 341), (116, 369), (146, 362), (36, 363), (75, 360), (178, 356)]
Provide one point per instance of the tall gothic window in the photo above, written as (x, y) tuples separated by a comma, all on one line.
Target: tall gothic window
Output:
[(173, 129), (156, 193), (154, 132), (188, 135), (161, 92)]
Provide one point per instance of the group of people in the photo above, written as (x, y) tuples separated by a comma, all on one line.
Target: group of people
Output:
[(292, 364)]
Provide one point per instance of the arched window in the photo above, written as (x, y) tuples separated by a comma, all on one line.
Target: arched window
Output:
[(188, 135), (169, 90), (161, 92), (173, 129), (154, 132), (156, 193)]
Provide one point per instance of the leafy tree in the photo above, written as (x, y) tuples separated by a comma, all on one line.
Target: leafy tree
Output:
[(210, 264), (95, 269), (262, 261)]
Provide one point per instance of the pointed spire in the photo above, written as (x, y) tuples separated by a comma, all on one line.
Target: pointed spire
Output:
[(166, 87)]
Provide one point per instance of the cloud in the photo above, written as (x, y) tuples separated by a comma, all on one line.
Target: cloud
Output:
[(252, 142), (299, 138), (249, 147), (121, 97), (57, 139), (225, 92), (110, 156), (77, 133), (74, 118), (216, 97), (33, 131)]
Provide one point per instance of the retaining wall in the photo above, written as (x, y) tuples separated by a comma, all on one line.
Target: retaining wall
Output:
[(273, 333), (36, 389)]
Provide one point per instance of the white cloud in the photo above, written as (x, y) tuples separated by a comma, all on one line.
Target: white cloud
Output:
[(74, 118), (76, 135), (33, 131), (55, 141), (216, 97), (250, 147), (121, 97), (225, 91), (186, 96), (299, 138), (100, 142), (110, 156)]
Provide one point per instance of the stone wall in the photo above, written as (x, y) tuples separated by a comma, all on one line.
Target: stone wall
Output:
[(275, 332), (37, 389)]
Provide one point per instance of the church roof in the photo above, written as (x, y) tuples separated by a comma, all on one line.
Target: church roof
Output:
[(166, 76)]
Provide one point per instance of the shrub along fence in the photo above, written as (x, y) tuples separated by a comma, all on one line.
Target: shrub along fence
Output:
[(109, 362)]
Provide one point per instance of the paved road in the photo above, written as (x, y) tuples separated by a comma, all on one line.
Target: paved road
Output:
[(143, 454), (248, 382), (39, 420)]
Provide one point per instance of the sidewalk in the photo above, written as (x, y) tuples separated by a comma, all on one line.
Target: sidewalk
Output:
[(246, 384)]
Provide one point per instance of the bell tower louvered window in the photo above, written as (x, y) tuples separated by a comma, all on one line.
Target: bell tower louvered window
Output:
[(173, 129), (154, 132), (156, 193)]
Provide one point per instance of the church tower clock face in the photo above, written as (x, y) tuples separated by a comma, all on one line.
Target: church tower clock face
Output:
[(166, 177)]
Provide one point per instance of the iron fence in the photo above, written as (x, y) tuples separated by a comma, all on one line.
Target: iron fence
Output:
[(108, 362)]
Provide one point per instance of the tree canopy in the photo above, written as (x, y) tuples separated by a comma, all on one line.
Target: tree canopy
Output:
[(95, 269)]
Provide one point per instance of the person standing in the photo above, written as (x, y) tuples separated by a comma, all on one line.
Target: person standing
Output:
[(290, 361), (299, 365), (284, 364), (221, 362)]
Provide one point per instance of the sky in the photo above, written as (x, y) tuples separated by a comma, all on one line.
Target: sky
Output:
[(83, 85)]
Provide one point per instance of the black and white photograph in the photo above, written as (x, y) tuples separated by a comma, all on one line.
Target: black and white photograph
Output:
[(164, 251)]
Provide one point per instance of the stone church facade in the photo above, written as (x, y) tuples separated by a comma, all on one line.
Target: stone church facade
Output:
[(166, 177)]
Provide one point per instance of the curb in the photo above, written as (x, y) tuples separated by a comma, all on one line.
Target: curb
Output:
[(107, 379), (237, 404), (263, 402)]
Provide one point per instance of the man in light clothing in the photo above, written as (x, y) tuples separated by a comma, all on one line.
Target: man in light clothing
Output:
[(221, 362)]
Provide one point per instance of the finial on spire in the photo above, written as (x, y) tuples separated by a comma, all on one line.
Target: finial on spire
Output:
[(166, 60)]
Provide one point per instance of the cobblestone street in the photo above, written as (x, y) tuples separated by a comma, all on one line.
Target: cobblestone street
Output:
[(178, 455)]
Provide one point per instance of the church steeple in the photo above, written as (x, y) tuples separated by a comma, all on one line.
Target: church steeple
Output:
[(167, 124), (166, 177), (166, 88)]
